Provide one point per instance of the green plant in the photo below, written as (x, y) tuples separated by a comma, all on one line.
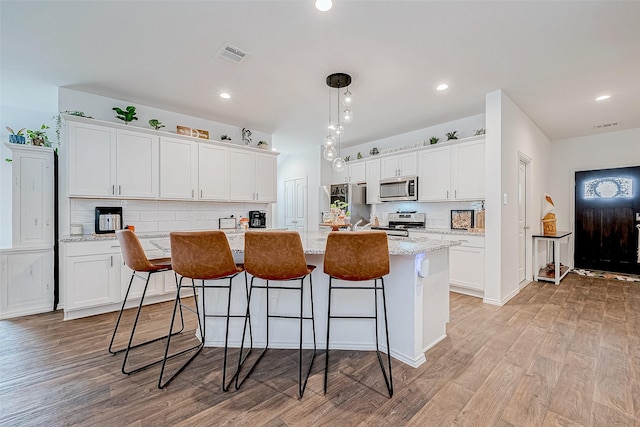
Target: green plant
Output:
[(58, 119), (347, 158), (224, 137), (156, 124), (39, 137), (8, 160), (434, 140), (127, 115), (359, 155), (19, 133), (452, 135), (480, 131), (262, 143)]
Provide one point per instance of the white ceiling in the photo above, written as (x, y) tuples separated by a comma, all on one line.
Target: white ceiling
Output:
[(551, 58)]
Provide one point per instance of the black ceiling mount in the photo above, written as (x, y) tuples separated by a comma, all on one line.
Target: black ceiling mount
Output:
[(338, 80)]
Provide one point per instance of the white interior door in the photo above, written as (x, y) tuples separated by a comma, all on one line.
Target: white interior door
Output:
[(522, 222), (295, 204)]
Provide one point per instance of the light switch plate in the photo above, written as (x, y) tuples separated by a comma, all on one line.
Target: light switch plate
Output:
[(504, 199)]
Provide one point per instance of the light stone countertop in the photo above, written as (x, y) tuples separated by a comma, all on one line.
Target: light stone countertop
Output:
[(144, 235), (314, 243), (446, 231)]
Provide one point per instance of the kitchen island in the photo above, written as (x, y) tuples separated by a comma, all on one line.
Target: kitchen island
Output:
[(417, 290)]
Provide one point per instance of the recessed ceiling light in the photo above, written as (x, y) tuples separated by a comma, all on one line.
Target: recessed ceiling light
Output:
[(603, 97), (442, 86), (225, 95), (323, 5)]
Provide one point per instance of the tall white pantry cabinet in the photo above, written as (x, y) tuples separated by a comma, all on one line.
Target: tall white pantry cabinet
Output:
[(26, 267)]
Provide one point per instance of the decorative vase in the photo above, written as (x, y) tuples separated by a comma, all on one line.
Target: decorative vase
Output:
[(17, 139)]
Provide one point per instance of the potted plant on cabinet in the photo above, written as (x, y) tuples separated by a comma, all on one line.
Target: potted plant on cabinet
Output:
[(16, 137), (127, 115), (39, 137), (263, 145), (452, 135)]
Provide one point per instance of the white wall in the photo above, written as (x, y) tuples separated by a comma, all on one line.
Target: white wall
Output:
[(510, 135), (603, 151)]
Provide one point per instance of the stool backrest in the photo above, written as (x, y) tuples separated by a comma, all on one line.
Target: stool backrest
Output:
[(358, 255), (132, 251), (202, 254), (274, 255)]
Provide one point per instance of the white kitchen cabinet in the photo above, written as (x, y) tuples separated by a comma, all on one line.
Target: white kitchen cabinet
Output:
[(32, 192), (91, 160), (137, 165), (467, 170), (253, 176), (399, 165), (178, 168), (452, 173), (373, 181), (26, 282), (434, 180), (357, 172), (466, 264), (91, 275), (156, 282), (213, 173), (105, 162)]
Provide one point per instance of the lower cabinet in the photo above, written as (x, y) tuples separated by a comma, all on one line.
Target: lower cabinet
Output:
[(26, 282), (466, 265), (94, 278)]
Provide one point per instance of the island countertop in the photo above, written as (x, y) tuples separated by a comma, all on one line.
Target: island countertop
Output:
[(314, 243)]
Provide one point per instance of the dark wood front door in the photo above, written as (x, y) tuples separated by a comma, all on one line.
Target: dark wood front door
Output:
[(608, 220)]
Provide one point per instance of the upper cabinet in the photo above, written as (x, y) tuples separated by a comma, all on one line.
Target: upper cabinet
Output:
[(452, 173), (354, 172), (105, 162), (253, 176), (111, 161), (31, 196), (373, 181), (400, 165)]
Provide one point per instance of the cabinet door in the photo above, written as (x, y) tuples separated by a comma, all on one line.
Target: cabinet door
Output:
[(137, 156), (389, 167), (358, 172), (467, 171), (92, 160), (32, 199), (92, 280), (373, 181), (213, 172), (265, 178), (434, 179), (178, 168), (408, 164), (466, 267), (27, 287), (243, 175)]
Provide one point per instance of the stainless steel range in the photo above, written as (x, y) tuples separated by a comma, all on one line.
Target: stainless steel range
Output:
[(401, 222)]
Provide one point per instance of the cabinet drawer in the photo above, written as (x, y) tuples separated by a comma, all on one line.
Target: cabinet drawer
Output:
[(91, 248), (467, 241)]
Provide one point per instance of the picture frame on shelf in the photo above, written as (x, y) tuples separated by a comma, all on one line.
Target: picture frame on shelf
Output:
[(461, 219)]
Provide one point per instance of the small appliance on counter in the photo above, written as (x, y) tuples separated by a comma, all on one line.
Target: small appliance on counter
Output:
[(257, 219), (108, 219), (227, 223), (401, 222)]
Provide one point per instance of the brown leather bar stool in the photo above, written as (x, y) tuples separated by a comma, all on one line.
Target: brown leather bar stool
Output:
[(359, 256), (203, 256), (279, 256), (136, 260)]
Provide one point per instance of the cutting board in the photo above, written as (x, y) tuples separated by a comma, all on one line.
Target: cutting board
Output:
[(480, 219)]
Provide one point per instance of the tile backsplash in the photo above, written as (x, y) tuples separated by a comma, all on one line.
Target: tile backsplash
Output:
[(438, 215), (150, 216)]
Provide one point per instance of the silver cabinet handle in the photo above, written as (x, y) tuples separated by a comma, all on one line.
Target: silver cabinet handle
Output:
[(111, 260), (447, 194), (192, 194), (201, 194), (119, 189), (113, 189), (455, 194)]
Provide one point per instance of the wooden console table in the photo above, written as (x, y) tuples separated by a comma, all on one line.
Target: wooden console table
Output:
[(559, 270)]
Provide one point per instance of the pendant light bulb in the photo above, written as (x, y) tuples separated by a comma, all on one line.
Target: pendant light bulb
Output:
[(329, 153), (339, 164), (338, 129), (323, 5), (348, 97), (347, 115), (329, 141)]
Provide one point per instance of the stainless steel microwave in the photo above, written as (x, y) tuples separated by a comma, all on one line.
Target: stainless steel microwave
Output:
[(400, 188)]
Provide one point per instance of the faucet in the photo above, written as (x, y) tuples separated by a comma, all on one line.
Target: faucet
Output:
[(355, 227)]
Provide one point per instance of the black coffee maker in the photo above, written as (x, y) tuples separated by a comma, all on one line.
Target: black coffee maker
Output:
[(257, 219)]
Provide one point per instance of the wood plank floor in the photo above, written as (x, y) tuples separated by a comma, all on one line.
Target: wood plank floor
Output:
[(566, 355)]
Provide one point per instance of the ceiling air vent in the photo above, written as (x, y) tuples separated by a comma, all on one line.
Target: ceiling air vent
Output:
[(606, 125), (231, 54)]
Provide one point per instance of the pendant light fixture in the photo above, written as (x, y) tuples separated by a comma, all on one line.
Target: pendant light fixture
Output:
[(332, 141)]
